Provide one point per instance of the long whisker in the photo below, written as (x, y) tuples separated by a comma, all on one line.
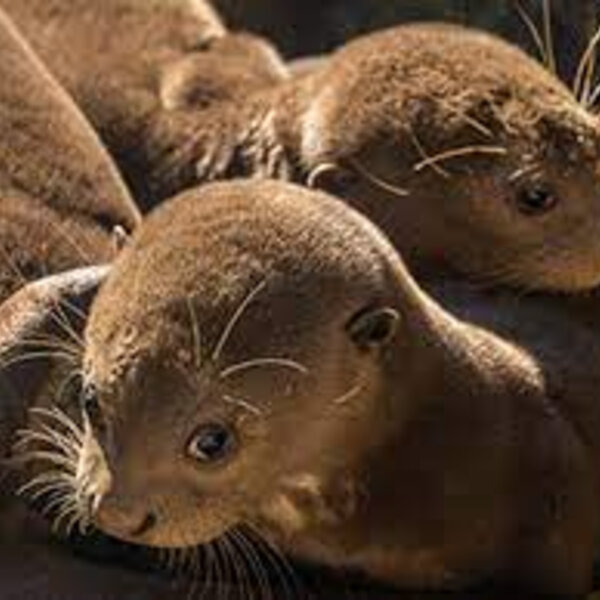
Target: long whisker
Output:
[(458, 152), (378, 182), (587, 56), (61, 417), (247, 549), (235, 319), (533, 30), (285, 363), (197, 350), (32, 356), (276, 558), (548, 37)]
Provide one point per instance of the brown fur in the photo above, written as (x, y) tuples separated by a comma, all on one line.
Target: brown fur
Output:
[(136, 68), (390, 100), (61, 199), (426, 453), (361, 125), (60, 195)]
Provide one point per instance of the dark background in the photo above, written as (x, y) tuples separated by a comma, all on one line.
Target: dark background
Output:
[(307, 27)]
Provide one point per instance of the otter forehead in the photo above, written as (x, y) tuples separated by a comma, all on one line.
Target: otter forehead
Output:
[(438, 78), (210, 248)]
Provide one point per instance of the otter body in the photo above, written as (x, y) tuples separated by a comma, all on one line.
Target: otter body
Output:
[(61, 200), (295, 380), (60, 195), (142, 72)]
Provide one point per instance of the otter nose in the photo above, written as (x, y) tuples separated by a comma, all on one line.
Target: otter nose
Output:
[(125, 522)]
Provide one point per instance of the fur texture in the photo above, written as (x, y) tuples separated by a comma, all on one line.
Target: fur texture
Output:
[(412, 446), (143, 73)]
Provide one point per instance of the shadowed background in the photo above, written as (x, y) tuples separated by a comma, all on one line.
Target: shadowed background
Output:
[(304, 27)]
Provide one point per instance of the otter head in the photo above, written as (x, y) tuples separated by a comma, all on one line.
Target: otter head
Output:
[(469, 154), (240, 341)]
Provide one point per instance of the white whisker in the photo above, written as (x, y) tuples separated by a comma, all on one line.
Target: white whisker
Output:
[(244, 404), (61, 417), (264, 362), (235, 319), (349, 394)]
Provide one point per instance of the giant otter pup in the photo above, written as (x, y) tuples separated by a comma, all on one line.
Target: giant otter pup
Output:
[(143, 73), (467, 152), (259, 357)]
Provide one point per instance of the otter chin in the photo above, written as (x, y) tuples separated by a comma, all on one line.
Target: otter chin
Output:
[(259, 359)]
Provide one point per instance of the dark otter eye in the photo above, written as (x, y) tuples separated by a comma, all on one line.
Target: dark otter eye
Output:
[(211, 442), (536, 201), (373, 327)]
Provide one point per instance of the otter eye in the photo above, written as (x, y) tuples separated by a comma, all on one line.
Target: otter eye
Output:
[(536, 201), (332, 178), (373, 327), (211, 442)]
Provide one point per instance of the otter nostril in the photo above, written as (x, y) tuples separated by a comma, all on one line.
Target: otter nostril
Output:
[(148, 522)]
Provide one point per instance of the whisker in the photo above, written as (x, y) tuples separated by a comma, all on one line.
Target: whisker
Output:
[(55, 476), (377, 181), (277, 558), (50, 488), (243, 404), (593, 97), (235, 319), (474, 123), (51, 457), (31, 356), (457, 153), (248, 550), (60, 417), (230, 559), (533, 30), (351, 393), (586, 58), (548, 37), (197, 349), (424, 156), (49, 437), (264, 362)]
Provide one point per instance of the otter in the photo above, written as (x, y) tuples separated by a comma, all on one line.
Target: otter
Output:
[(61, 197), (143, 73), (62, 205), (471, 156), (293, 379)]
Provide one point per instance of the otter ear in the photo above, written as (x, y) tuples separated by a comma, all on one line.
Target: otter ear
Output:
[(373, 328)]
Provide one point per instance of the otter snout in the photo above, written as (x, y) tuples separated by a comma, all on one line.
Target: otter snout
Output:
[(125, 521)]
